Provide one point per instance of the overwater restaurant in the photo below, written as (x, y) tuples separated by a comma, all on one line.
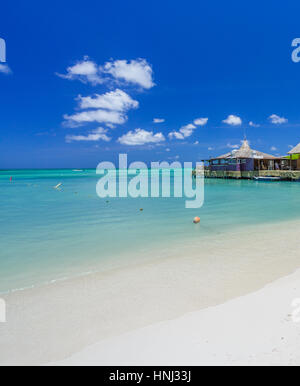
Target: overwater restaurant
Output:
[(246, 159), (294, 158)]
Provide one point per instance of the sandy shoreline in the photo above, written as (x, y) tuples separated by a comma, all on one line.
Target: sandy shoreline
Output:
[(51, 323), (262, 328)]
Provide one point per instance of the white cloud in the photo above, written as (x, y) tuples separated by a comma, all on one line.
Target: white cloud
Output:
[(99, 116), (85, 70), (210, 148), (200, 121), (136, 71), (184, 132), (110, 108), (175, 134), (233, 146), (187, 130), (140, 137), (273, 148), (4, 69), (196, 143), (95, 135), (117, 100), (110, 125), (233, 120), (158, 120), (277, 120), (167, 149), (252, 124)]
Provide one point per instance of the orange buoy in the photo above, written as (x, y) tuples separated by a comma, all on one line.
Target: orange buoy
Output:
[(197, 220)]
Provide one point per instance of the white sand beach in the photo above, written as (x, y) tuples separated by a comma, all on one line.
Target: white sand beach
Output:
[(211, 303), (257, 329)]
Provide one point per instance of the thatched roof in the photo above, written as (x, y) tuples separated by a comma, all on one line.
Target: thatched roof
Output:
[(246, 152), (296, 150)]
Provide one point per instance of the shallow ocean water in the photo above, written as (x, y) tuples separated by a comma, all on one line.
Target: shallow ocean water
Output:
[(48, 234)]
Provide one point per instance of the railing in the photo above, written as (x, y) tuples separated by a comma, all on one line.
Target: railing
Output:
[(288, 175)]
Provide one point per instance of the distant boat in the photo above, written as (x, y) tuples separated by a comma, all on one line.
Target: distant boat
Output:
[(77, 170), (267, 178)]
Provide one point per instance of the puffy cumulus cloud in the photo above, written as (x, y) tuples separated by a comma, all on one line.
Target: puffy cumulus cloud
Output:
[(252, 124), (109, 108), (187, 130), (277, 120), (4, 69), (274, 148), (233, 146), (117, 100), (137, 72), (200, 121), (94, 136), (85, 71), (158, 120), (176, 135), (140, 137), (184, 132), (99, 116), (233, 120)]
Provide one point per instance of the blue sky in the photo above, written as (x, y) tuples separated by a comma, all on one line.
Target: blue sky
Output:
[(88, 79)]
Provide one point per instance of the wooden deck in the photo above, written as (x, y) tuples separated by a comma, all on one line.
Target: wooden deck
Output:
[(285, 175)]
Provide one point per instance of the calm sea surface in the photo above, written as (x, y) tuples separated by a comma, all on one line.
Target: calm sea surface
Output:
[(48, 234)]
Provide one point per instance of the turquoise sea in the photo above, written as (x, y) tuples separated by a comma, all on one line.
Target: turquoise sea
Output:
[(48, 234)]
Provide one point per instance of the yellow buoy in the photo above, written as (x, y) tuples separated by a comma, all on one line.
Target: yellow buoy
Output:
[(197, 220)]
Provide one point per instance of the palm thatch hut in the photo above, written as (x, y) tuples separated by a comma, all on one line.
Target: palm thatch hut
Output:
[(294, 156), (244, 159)]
